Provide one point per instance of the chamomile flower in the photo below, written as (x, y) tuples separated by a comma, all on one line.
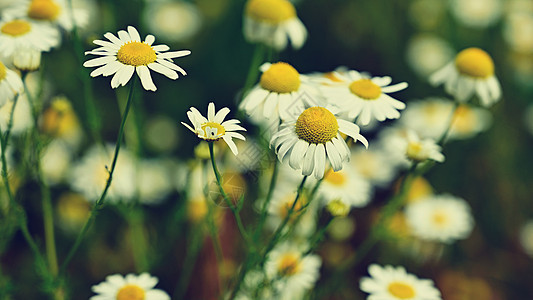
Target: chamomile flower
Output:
[(426, 53), (214, 127), (273, 22), (19, 35), (279, 93), (117, 287), (22, 117), (394, 283), (124, 55), (471, 73), (10, 84), (443, 218), (412, 148), (298, 273), (313, 137), (476, 13), (347, 186), (54, 11), (365, 98)]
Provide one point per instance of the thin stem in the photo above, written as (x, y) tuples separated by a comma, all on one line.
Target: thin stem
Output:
[(446, 132), (100, 202), (318, 237), (257, 59), (48, 219), (31, 101), (211, 220), (264, 208)]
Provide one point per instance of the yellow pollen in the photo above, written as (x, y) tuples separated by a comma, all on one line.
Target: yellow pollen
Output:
[(271, 11), (280, 78), (289, 265), (336, 178), (136, 54), (211, 136), (3, 71), (366, 89), (317, 125), (440, 218), (16, 28), (474, 62), (337, 208), (401, 290), (44, 10), (130, 292), (414, 150)]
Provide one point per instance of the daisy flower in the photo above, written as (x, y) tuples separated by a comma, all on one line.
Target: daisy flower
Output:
[(21, 35), (374, 165), (280, 91), (443, 218), (214, 127), (273, 22), (299, 273), (394, 283), (347, 186), (365, 98), (311, 138), (426, 53), (54, 11), (126, 54), (10, 84), (476, 13), (173, 21), (471, 73), (117, 287), (406, 147)]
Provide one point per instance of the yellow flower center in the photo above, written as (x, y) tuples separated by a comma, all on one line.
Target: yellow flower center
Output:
[(16, 27), (414, 151), (285, 208), (43, 10), (440, 218), (136, 54), (464, 119), (280, 78), (336, 178), (317, 125), (337, 208), (271, 11), (3, 71), (366, 89), (289, 264), (474, 62), (130, 292), (196, 209), (212, 135), (401, 290), (420, 187), (331, 76)]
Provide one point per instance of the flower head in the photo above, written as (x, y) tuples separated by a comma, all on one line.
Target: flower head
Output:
[(117, 287), (346, 186), (127, 53), (10, 84), (214, 127)]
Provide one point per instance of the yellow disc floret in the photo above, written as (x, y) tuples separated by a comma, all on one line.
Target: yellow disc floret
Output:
[(317, 125), (289, 264), (338, 208), (280, 78), (440, 218), (136, 54), (3, 71), (271, 11), (415, 151), (210, 134), (336, 178), (474, 62), (16, 28), (130, 292), (401, 290), (43, 10), (366, 89)]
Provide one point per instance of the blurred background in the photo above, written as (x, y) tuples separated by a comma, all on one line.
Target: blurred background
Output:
[(405, 39)]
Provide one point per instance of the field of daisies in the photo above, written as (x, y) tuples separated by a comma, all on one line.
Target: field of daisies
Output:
[(266, 149)]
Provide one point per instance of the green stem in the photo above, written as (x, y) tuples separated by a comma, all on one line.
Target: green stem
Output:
[(446, 132), (264, 208), (135, 218), (257, 59), (188, 263), (31, 101), (315, 241), (100, 202), (48, 219)]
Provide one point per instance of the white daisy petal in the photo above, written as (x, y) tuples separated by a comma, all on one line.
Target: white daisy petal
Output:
[(309, 160), (320, 161)]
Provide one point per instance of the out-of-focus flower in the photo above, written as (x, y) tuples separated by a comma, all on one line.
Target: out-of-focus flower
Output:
[(394, 283), (173, 21), (460, 285), (89, 175), (54, 11), (214, 127), (196, 209), (59, 120), (338, 207), (518, 31), (471, 73), (427, 14), (443, 218), (426, 53), (365, 98), (10, 84), (72, 212), (420, 188), (476, 13), (279, 93), (347, 186), (55, 161), (160, 134), (312, 139), (22, 118), (127, 53), (341, 229), (374, 165), (129, 287), (27, 60), (273, 22), (21, 35), (153, 181), (526, 237), (298, 273), (415, 149)]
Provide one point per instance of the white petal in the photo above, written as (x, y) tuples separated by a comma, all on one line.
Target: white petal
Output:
[(394, 88), (146, 79), (99, 61), (297, 154), (320, 161), (220, 115), (161, 48), (334, 156), (150, 39), (231, 144), (211, 111), (113, 39), (163, 70), (134, 34), (309, 160)]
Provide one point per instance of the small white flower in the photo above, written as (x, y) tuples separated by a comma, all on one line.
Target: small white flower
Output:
[(273, 22), (55, 161), (394, 283), (426, 53), (347, 186), (374, 165), (471, 73), (24, 35), (117, 287), (173, 21), (312, 139), (214, 127), (443, 218), (476, 13), (126, 54), (153, 180), (409, 145), (10, 84), (365, 98)]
